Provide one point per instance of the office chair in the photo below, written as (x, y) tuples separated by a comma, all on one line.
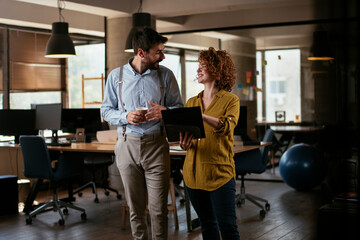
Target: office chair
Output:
[(98, 162), (176, 165), (37, 164), (254, 161)]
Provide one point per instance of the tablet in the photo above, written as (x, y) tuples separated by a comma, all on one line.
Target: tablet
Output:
[(187, 119)]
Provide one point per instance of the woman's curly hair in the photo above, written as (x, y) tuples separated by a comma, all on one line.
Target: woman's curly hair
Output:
[(220, 66)]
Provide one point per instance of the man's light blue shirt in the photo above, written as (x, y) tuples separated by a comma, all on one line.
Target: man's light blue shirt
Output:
[(137, 89)]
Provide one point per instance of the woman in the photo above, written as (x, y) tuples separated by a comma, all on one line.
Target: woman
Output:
[(209, 170)]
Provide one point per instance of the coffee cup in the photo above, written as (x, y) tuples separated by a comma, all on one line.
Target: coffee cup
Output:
[(142, 111)]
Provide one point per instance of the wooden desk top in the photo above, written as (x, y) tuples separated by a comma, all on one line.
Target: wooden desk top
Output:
[(85, 147), (291, 129), (238, 147), (277, 123), (75, 147), (109, 148)]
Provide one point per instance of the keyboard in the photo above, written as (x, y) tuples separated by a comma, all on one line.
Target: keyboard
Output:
[(61, 144)]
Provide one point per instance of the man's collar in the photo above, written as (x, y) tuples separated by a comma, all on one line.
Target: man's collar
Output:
[(148, 71)]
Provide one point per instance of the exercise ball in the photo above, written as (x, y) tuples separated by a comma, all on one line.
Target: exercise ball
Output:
[(302, 167)]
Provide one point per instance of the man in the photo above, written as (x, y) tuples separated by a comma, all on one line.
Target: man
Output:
[(142, 152)]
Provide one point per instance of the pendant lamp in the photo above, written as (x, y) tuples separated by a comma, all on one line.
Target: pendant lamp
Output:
[(320, 50), (60, 44), (140, 20)]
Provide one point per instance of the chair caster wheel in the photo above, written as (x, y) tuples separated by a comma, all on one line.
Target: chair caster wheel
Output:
[(96, 200), (118, 196), (66, 212), (28, 220), (61, 222), (80, 194), (267, 207), (262, 213), (238, 204), (83, 216), (107, 193)]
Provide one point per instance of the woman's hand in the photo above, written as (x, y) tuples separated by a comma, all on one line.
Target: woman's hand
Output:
[(186, 140)]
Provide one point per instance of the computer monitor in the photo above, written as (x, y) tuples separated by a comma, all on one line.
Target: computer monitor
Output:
[(241, 127), (48, 117), (87, 118), (17, 122)]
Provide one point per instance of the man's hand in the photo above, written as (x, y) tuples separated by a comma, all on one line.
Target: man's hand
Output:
[(134, 117), (154, 113)]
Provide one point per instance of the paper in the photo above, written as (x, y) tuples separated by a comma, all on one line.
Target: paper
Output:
[(245, 91), (176, 148), (107, 136)]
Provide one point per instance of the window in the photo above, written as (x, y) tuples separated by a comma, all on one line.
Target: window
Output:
[(172, 61), (23, 100), (188, 82), (90, 61), (259, 94), (32, 77), (282, 83), (191, 66), (276, 91), (2, 60)]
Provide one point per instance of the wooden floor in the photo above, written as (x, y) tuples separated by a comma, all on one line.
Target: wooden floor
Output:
[(293, 216)]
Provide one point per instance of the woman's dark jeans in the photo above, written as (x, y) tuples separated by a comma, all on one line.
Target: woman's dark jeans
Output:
[(216, 211)]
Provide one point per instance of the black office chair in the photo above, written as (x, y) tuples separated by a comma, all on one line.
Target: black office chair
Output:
[(98, 163), (254, 161), (37, 164)]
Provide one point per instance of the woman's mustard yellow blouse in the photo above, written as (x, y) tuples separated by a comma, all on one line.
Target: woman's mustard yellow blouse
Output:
[(209, 162)]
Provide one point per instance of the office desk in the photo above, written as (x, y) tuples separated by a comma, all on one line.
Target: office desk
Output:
[(75, 148), (268, 124), (261, 127), (288, 133), (85, 148), (109, 148), (296, 129), (238, 147)]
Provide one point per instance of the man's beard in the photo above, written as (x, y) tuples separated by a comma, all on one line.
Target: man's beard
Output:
[(153, 66)]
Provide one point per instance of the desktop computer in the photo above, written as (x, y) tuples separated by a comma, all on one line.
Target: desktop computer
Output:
[(48, 117), (16, 122), (83, 122)]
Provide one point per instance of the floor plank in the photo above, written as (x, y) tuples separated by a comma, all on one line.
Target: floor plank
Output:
[(292, 216)]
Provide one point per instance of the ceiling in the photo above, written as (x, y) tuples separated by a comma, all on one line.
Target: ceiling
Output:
[(172, 16)]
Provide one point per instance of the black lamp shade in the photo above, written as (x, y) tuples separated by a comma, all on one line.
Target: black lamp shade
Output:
[(60, 44), (320, 49), (140, 20)]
